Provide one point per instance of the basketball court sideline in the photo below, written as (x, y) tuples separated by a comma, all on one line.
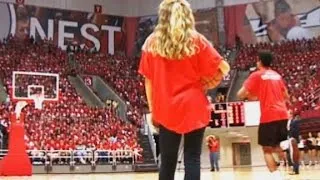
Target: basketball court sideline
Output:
[(258, 173)]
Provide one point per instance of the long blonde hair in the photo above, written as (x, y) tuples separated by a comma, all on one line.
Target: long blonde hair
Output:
[(172, 37)]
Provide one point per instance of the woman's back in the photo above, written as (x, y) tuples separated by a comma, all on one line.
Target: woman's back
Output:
[(177, 63), (179, 102)]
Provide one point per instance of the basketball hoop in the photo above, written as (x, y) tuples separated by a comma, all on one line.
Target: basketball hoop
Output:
[(38, 100)]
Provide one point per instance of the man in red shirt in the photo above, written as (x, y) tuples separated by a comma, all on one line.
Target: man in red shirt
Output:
[(214, 146), (268, 86)]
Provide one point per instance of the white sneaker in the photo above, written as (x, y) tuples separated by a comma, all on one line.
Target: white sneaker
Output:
[(276, 175)]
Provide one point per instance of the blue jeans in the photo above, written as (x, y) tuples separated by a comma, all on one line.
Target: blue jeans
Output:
[(214, 160), (169, 147)]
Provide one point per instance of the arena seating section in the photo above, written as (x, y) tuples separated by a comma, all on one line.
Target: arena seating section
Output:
[(121, 74), (68, 124), (298, 62)]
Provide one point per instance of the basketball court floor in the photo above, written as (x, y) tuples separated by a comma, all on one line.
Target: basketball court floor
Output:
[(260, 173)]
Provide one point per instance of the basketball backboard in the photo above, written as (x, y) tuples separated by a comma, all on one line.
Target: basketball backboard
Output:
[(27, 84)]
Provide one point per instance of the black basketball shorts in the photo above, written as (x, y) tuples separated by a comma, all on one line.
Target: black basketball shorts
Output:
[(271, 134)]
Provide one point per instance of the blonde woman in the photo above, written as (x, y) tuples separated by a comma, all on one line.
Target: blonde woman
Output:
[(179, 65)]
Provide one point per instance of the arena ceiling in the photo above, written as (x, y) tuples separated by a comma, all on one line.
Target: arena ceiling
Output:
[(123, 7)]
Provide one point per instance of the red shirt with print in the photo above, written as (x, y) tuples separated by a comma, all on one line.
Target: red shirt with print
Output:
[(270, 89), (178, 99)]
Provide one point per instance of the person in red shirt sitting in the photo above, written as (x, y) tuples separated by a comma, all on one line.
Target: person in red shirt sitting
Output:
[(214, 147), (177, 63), (268, 86)]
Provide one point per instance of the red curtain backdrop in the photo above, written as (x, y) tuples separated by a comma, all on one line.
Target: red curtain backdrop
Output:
[(229, 24), (236, 25), (131, 25)]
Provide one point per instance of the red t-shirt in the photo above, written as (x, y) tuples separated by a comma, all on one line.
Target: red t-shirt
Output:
[(269, 87), (178, 99), (214, 145)]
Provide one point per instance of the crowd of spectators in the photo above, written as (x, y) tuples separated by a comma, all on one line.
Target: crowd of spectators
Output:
[(121, 74), (68, 124), (298, 61)]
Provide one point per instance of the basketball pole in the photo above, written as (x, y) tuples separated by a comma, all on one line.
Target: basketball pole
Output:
[(16, 162)]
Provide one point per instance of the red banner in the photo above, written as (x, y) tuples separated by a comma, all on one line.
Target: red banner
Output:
[(64, 27), (206, 24)]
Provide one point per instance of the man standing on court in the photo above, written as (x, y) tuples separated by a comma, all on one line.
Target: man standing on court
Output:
[(268, 87), (294, 132)]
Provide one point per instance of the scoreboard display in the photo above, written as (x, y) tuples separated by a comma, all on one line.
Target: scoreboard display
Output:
[(234, 114), (219, 116)]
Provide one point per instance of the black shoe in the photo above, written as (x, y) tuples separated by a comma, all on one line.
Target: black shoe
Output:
[(212, 170)]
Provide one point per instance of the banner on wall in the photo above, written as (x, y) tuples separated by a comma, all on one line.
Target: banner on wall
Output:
[(146, 26), (275, 20), (205, 20), (90, 30)]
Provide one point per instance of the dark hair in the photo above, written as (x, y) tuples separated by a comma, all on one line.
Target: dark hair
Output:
[(265, 57)]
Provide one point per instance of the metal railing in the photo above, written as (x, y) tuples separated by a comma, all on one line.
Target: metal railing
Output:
[(151, 141), (233, 78), (316, 94), (85, 157), (146, 131)]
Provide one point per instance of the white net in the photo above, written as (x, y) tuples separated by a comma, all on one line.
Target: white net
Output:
[(38, 100)]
